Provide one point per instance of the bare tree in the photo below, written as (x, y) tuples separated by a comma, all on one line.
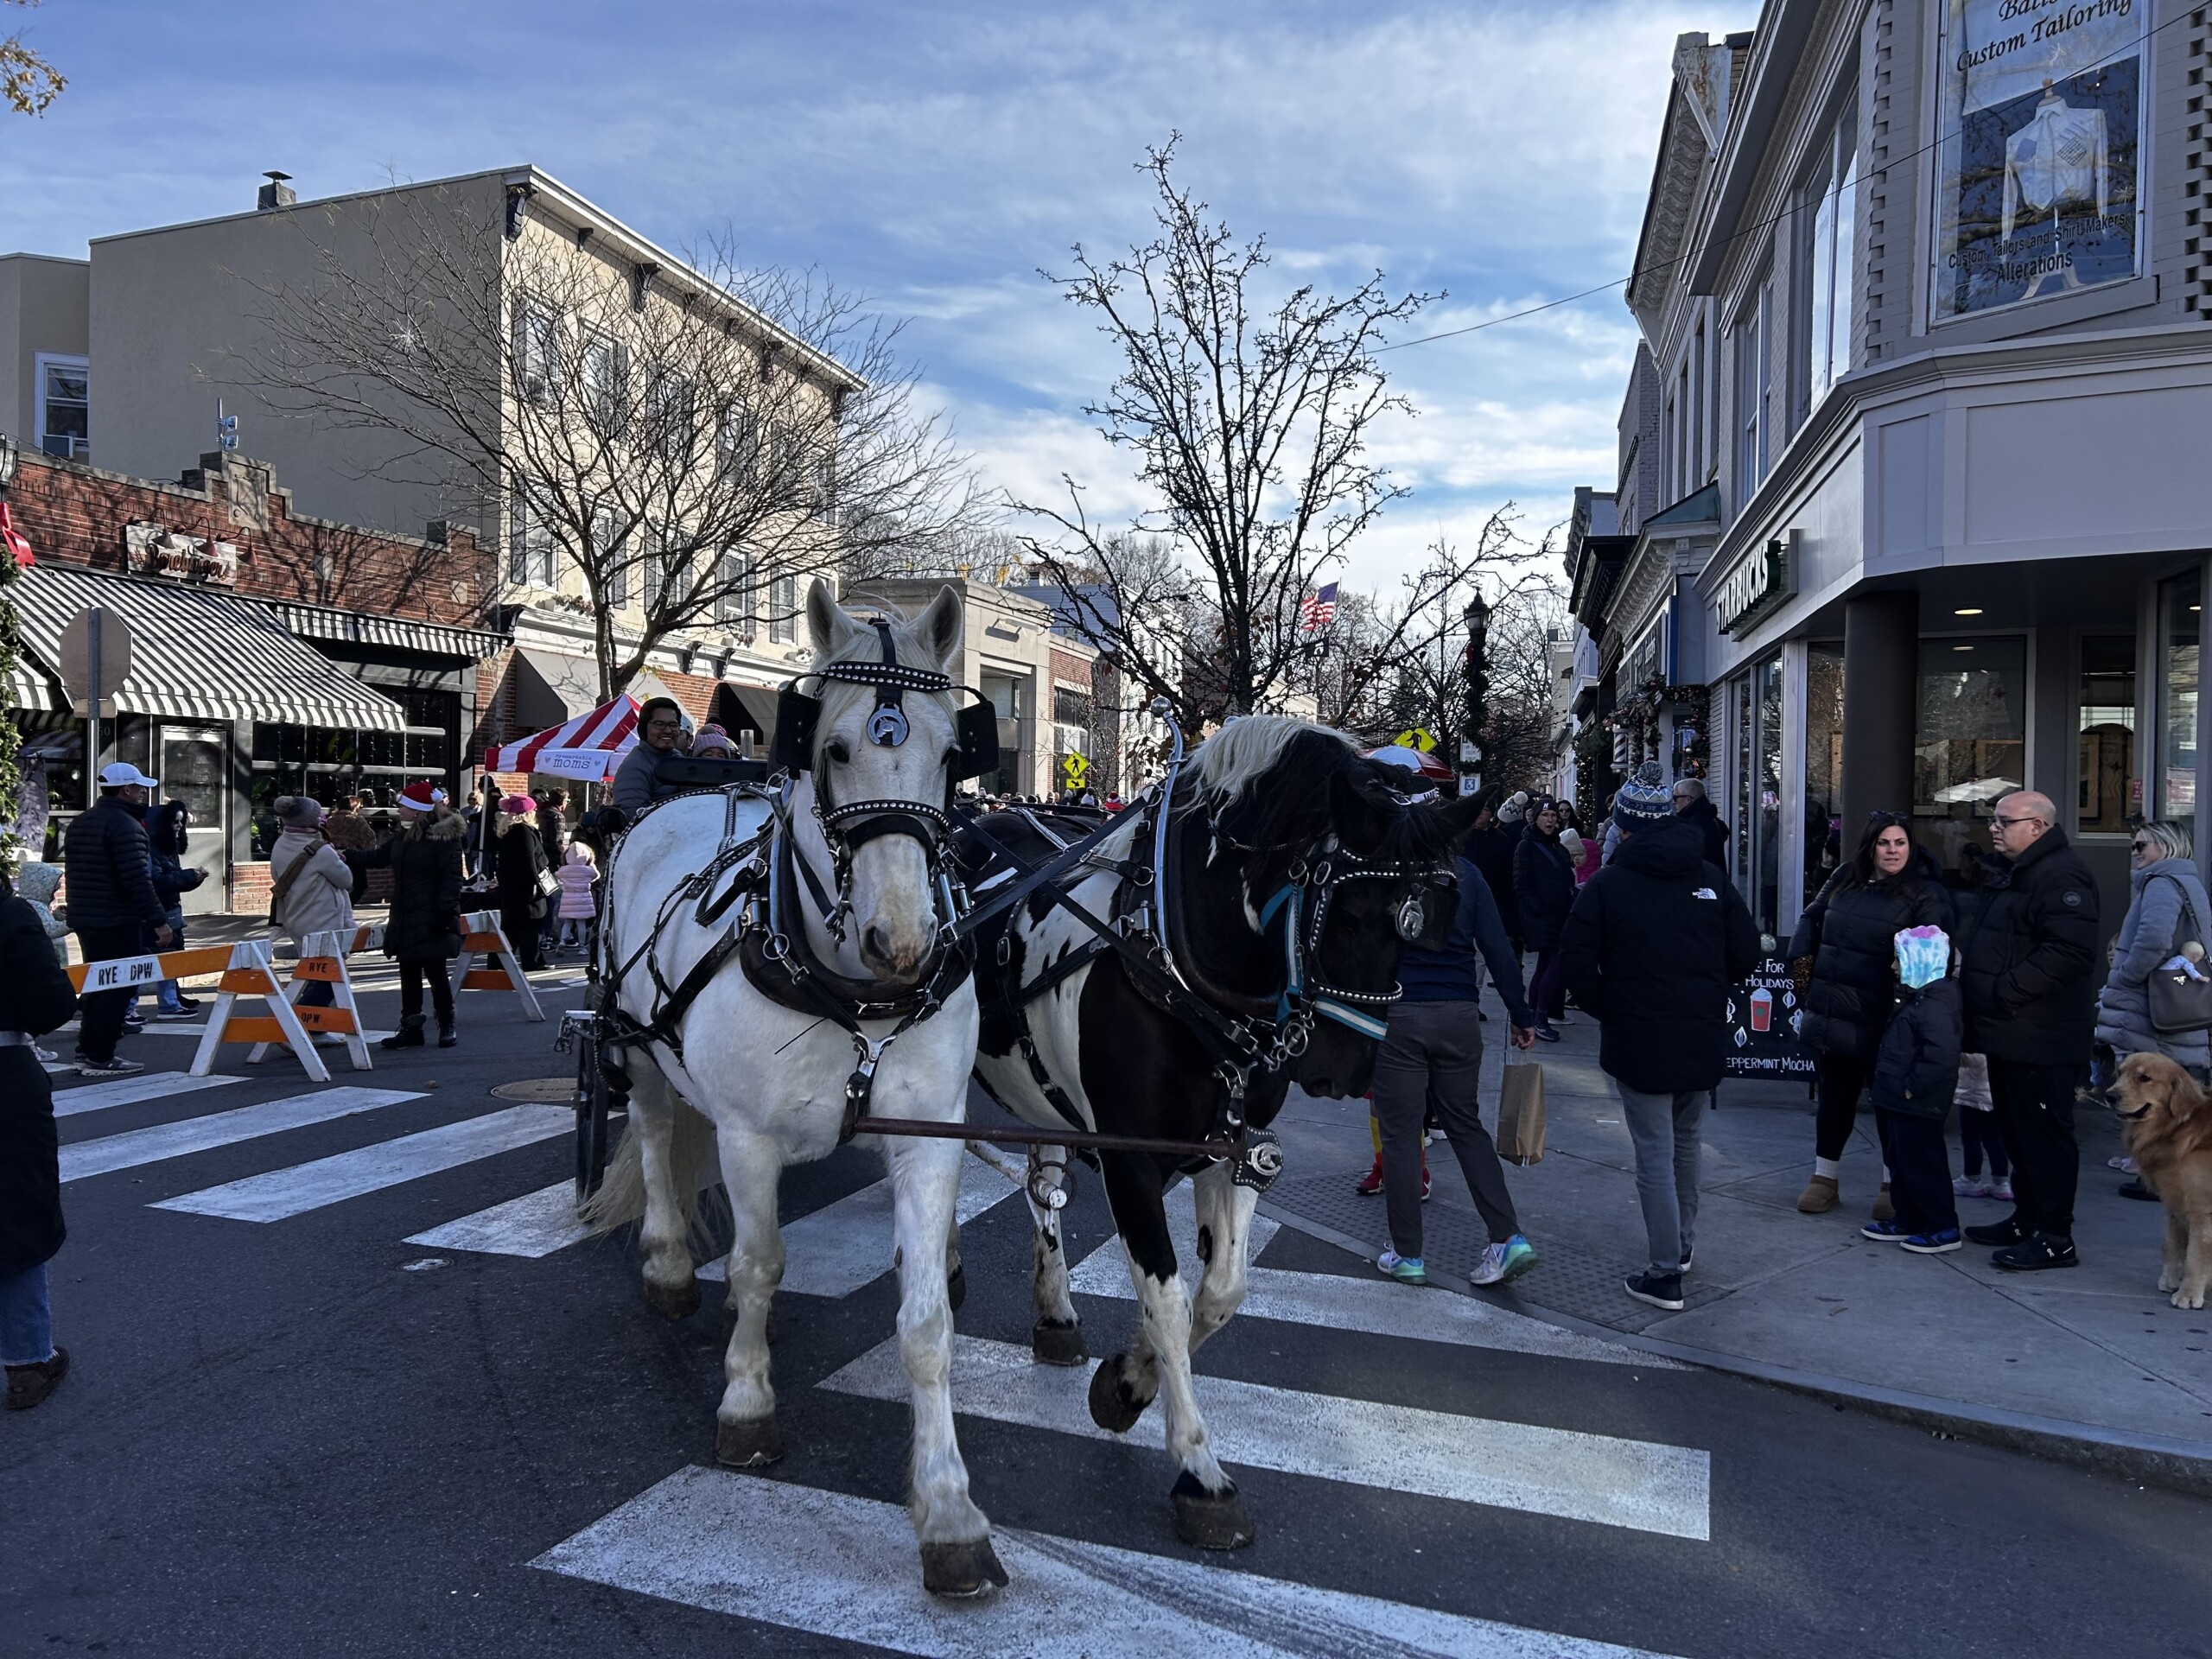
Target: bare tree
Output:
[(1249, 427), (668, 450), (28, 81)]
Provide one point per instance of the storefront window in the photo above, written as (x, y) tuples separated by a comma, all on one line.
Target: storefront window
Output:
[(1823, 762), (2108, 790), (1755, 706), (2180, 620), (329, 763), (1970, 743)]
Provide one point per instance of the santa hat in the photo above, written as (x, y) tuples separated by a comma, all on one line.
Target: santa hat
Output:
[(419, 797)]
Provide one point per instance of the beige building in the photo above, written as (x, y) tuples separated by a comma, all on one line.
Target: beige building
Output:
[(45, 354)]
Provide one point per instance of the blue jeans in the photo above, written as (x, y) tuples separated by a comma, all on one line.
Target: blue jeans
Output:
[(26, 1318)]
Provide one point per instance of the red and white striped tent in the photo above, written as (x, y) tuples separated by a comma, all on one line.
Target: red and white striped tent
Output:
[(590, 746)]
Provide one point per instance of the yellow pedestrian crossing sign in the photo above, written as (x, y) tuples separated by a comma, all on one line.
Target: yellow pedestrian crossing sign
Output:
[(1074, 768), (1416, 737)]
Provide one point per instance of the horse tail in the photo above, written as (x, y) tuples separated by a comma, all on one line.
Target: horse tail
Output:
[(694, 1159)]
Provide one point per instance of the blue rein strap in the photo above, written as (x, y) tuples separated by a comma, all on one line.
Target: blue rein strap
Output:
[(1289, 902)]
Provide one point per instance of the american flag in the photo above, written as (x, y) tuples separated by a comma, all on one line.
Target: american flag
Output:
[(1318, 610)]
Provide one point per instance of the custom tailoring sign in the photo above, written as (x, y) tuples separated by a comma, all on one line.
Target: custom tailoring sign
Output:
[(2039, 124)]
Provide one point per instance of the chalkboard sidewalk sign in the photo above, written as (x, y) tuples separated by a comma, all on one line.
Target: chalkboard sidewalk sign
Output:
[(1764, 1011)]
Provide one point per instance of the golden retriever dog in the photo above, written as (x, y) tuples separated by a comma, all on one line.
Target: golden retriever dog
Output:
[(2166, 1120)]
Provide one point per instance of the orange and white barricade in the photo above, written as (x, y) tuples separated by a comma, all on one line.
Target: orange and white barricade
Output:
[(245, 970), (485, 937), (322, 962)]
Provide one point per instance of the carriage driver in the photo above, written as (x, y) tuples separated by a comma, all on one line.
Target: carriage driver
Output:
[(636, 786)]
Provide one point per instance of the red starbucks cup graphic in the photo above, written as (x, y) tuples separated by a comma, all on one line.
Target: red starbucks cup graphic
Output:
[(1762, 1009)]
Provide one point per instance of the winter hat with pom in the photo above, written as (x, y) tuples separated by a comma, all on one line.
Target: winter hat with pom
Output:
[(1644, 800)]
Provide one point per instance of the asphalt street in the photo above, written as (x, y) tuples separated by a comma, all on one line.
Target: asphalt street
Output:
[(346, 1384)]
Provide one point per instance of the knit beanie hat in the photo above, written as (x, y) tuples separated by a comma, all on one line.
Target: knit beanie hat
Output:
[(299, 811), (1516, 807), (1644, 800)]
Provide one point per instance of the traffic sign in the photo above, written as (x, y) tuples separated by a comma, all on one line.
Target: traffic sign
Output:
[(1074, 768), (95, 658), (1416, 737)]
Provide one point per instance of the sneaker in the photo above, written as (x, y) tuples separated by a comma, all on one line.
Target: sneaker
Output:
[(2138, 1188), (2035, 1253), (1661, 1290), (1819, 1196), (1426, 1184), (1406, 1269), (1686, 1254), (1502, 1263), (118, 1067), (2001, 1189), (2124, 1165), (190, 1004), (1969, 1186), (1545, 1034), (172, 1013), (1883, 1232), (2007, 1231), (1932, 1243), (1371, 1183)]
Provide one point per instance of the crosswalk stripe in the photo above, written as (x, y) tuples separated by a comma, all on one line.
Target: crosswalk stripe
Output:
[(1378, 1307), (128, 1092), (1565, 1472), (192, 1134), (845, 1568), (285, 1192), (835, 1250), (536, 1224)]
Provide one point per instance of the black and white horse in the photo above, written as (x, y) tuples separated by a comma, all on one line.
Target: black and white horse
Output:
[(1281, 886)]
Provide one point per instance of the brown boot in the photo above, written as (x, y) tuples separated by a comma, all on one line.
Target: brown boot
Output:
[(1883, 1209), (28, 1384), (1819, 1196)]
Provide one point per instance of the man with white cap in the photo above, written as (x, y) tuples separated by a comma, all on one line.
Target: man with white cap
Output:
[(113, 908)]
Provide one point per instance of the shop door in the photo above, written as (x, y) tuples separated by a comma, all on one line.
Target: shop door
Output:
[(195, 769)]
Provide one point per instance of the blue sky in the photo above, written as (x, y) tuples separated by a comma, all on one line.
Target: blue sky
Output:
[(935, 155)]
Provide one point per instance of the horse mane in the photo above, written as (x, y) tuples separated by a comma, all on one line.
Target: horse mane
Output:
[(1250, 748), (1273, 777)]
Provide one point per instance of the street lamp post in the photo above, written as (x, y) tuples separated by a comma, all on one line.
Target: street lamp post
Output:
[(1471, 729)]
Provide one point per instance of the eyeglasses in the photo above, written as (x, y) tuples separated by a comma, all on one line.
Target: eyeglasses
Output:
[(2142, 846), (2006, 823)]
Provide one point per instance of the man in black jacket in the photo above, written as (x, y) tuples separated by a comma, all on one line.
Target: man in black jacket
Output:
[(2031, 977), (1654, 941), (1694, 805), (113, 908)]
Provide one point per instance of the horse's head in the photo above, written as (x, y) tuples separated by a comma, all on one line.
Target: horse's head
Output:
[(1334, 850), (879, 765)]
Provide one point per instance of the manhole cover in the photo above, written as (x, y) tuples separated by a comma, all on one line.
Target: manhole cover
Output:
[(561, 1089)]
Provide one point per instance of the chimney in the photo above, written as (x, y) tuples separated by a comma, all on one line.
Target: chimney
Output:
[(275, 193)]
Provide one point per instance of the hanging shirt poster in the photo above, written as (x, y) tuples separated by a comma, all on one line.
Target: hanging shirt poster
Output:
[(2039, 124)]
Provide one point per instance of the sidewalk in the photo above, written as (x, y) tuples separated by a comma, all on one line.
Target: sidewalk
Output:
[(2094, 1364)]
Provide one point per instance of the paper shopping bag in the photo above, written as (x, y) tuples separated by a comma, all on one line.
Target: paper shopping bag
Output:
[(1521, 1114)]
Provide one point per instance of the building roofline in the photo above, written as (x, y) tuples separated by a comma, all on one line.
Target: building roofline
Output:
[(50, 259), (1777, 47), (639, 249)]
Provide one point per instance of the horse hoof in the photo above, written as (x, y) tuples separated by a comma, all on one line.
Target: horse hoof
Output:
[(1113, 1407), (1057, 1342), (673, 1302), (729, 1322), (955, 1287), (1210, 1519), (959, 1571), (754, 1444)]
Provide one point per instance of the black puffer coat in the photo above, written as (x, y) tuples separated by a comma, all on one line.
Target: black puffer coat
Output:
[(2032, 963), (519, 857), (424, 858), (1916, 1071), (1850, 932), (1707, 816), (1543, 889), (110, 870), (1490, 851), (34, 997), (1653, 944)]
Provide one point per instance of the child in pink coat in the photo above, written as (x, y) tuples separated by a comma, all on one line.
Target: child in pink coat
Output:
[(577, 913)]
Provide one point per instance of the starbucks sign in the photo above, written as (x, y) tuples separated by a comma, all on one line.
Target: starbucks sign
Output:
[(2039, 126)]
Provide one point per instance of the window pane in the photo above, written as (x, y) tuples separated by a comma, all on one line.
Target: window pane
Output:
[(1970, 740), (1846, 214), (2180, 620), (1823, 762), (2107, 789), (1766, 896)]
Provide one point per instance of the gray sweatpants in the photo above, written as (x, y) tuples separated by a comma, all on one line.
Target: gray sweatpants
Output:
[(1432, 1056), (1664, 1129)]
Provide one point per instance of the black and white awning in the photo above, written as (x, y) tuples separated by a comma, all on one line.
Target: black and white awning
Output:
[(197, 653)]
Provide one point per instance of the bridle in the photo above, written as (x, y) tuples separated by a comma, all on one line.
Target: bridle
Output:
[(1307, 993)]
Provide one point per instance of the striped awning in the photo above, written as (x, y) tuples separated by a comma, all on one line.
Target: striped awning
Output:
[(590, 746), (198, 654), (388, 632), (28, 688)]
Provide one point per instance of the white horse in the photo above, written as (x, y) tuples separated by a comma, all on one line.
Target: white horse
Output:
[(772, 1080)]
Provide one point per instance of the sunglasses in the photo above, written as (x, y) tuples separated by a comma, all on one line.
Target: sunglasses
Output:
[(2142, 846)]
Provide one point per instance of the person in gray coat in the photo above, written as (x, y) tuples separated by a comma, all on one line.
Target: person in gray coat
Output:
[(2168, 909)]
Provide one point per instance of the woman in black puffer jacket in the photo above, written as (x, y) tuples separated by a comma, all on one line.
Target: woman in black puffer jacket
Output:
[(1543, 892), (1843, 952)]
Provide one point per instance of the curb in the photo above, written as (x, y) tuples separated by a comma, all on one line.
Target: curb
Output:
[(2177, 1465)]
